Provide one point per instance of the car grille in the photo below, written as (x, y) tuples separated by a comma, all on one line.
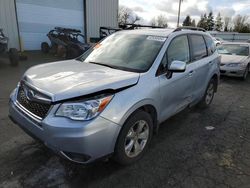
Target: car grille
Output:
[(39, 109)]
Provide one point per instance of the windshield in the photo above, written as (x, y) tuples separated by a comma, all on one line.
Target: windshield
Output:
[(128, 52), (234, 49)]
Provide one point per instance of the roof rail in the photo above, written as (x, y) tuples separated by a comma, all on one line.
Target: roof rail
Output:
[(189, 28), (136, 26)]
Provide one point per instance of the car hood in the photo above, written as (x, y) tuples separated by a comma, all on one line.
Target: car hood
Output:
[(226, 59), (68, 79)]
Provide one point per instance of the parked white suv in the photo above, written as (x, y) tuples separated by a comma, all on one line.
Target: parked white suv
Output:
[(109, 101)]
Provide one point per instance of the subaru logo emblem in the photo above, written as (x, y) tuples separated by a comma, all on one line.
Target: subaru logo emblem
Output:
[(29, 94)]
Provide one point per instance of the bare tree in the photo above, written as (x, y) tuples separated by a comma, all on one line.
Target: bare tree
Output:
[(123, 15), (227, 20), (136, 18), (153, 22), (127, 16), (239, 22), (160, 21)]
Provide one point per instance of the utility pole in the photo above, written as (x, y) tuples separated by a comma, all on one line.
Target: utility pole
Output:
[(179, 11)]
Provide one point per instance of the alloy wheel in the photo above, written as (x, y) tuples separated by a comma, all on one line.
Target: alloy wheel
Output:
[(210, 93), (136, 138)]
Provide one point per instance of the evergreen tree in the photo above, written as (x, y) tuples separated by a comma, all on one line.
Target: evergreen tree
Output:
[(203, 22), (218, 23), (193, 24), (210, 21), (227, 20), (187, 21)]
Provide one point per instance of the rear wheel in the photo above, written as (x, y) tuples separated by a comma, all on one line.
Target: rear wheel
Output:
[(13, 57), (134, 138), (209, 94), (45, 47)]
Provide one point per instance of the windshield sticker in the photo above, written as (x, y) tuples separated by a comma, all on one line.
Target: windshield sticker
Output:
[(156, 38)]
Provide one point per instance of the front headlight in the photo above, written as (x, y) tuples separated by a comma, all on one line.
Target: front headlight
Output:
[(234, 64), (85, 110)]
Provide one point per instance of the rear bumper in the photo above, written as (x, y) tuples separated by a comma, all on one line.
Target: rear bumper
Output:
[(81, 142)]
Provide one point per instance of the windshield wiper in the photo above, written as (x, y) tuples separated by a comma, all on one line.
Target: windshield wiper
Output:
[(116, 67), (105, 65)]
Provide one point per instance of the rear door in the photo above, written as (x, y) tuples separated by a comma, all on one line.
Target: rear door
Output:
[(176, 92), (202, 60)]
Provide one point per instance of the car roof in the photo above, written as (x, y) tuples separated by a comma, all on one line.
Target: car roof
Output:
[(160, 32)]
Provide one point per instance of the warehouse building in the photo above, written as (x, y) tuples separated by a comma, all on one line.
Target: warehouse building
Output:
[(27, 22)]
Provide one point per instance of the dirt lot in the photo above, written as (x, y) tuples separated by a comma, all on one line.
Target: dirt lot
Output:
[(183, 154)]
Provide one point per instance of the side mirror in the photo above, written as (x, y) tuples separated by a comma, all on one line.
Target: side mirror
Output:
[(177, 66)]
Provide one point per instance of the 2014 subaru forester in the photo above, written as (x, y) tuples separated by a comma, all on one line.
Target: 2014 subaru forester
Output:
[(109, 101)]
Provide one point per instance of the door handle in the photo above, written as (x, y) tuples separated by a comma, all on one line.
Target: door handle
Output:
[(190, 73), (210, 62)]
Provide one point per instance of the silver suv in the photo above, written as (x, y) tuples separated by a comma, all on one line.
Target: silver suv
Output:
[(112, 99)]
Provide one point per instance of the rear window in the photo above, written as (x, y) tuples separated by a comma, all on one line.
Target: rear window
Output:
[(210, 45), (198, 47)]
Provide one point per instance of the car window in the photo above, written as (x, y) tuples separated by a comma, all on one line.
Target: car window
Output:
[(178, 50), (210, 45), (198, 46)]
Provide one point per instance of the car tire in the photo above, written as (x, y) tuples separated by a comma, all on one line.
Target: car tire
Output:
[(209, 94), (13, 57), (244, 77), (45, 47), (134, 138)]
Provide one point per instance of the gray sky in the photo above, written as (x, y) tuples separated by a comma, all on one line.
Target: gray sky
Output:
[(147, 9)]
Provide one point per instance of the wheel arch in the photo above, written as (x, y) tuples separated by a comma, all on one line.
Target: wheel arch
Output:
[(216, 78), (152, 112), (146, 106)]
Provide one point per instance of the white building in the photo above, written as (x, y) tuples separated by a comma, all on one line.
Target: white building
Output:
[(27, 22)]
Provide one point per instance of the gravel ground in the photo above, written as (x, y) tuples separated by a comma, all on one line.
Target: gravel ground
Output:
[(209, 148)]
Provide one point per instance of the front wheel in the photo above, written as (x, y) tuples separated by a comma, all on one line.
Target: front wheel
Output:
[(134, 138), (209, 94)]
